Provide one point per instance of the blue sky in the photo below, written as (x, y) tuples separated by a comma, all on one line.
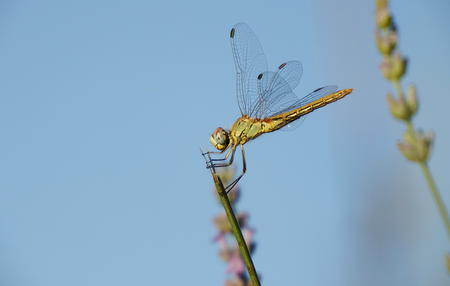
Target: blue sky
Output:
[(103, 108)]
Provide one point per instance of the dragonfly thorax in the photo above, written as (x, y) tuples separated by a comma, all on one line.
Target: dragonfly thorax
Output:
[(220, 139)]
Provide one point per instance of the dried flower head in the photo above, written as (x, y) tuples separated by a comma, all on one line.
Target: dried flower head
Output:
[(398, 107), (222, 224), (386, 41), (394, 67), (411, 99), (235, 282), (381, 4), (235, 263), (403, 108), (416, 145), (383, 18)]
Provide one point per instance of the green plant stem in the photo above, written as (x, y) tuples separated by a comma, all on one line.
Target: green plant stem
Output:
[(436, 195), (426, 171), (410, 127), (398, 87), (245, 253)]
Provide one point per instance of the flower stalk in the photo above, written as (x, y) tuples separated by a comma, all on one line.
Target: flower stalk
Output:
[(416, 144), (236, 230), (436, 195)]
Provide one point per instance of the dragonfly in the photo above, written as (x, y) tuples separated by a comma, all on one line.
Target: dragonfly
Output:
[(266, 99)]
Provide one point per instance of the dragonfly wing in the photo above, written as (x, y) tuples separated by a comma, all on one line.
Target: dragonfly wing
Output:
[(274, 94), (275, 89), (291, 72), (313, 96), (250, 61)]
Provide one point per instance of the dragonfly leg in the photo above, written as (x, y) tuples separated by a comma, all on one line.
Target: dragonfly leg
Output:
[(224, 158), (208, 153), (244, 169), (210, 164), (213, 152)]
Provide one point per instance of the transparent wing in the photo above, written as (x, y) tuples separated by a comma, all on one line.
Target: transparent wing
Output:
[(313, 96), (275, 89), (275, 94), (250, 61), (291, 72)]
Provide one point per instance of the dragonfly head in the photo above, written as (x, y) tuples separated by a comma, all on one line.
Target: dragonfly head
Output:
[(220, 139)]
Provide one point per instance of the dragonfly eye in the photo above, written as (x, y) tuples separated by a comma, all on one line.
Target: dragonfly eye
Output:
[(220, 139), (232, 33), (260, 76)]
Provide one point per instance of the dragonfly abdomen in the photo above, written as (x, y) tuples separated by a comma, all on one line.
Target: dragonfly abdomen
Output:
[(278, 121)]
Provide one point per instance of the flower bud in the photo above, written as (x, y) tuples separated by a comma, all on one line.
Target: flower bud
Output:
[(411, 99), (225, 254), (416, 145), (381, 4), (383, 18), (222, 224), (398, 107), (394, 67), (386, 42), (237, 281)]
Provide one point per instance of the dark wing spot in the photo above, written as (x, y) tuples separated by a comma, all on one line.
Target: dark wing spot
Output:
[(232, 33), (282, 66), (260, 76), (317, 89)]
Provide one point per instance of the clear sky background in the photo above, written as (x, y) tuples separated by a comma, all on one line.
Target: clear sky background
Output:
[(103, 108)]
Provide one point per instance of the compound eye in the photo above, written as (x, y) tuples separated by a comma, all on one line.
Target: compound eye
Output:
[(219, 139)]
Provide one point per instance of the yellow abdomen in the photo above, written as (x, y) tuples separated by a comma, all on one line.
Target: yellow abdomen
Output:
[(278, 121), (246, 128)]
